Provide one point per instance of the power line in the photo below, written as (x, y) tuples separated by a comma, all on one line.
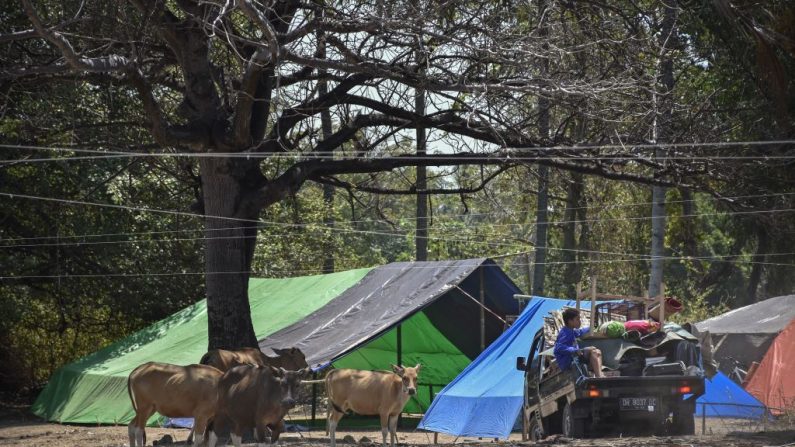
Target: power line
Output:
[(438, 217), (318, 226), (311, 225), (484, 157), (253, 273), (723, 144)]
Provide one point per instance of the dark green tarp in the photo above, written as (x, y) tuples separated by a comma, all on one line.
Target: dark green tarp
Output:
[(435, 304)]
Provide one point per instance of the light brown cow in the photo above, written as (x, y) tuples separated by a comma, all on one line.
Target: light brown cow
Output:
[(291, 358), (173, 391), (370, 393), (255, 397)]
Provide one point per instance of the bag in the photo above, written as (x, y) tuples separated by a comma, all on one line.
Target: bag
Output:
[(687, 353), (612, 329), (632, 363), (642, 326), (665, 369)]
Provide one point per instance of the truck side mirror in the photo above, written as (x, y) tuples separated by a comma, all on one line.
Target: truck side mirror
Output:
[(520, 364)]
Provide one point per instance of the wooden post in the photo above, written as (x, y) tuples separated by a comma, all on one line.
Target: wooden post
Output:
[(579, 286), (528, 274), (662, 304), (593, 302), (436, 438)]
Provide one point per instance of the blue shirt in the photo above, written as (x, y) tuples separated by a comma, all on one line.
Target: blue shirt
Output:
[(566, 345)]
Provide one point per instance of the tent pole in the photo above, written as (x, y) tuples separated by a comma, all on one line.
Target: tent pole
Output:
[(314, 398), (399, 346), (482, 312)]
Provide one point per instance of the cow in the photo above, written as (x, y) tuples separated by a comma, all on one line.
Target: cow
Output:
[(173, 391), (381, 393), (223, 359), (255, 397), (291, 358)]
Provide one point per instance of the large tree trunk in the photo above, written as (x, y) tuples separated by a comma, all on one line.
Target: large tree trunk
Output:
[(229, 251)]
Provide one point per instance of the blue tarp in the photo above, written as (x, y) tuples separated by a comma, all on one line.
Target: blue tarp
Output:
[(485, 399), (726, 399)]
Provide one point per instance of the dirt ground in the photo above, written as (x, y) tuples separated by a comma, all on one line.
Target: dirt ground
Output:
[(28, 432)]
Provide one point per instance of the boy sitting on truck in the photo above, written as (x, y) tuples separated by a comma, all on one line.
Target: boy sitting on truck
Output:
[(566, 345)]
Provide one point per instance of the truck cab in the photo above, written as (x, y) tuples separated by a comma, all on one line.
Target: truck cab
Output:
[(650, 390)]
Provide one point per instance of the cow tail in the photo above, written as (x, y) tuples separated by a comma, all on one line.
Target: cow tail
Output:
[(130, 392), (329, 392)]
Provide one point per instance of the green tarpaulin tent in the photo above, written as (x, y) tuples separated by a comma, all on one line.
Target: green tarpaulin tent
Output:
[(365, 319), (94, 389)]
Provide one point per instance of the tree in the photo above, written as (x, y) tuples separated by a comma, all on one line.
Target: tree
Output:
[(238, 85), (663, 123)]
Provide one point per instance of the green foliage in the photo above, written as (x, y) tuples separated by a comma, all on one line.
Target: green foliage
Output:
[(75, 292)]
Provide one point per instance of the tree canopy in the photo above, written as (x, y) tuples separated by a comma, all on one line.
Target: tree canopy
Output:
[(216, 109)]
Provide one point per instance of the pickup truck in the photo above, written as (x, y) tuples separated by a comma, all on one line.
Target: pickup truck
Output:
[(634, 401)]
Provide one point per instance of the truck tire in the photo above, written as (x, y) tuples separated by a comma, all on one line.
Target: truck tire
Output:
[(683, 424), (571, 426), (535, 432)]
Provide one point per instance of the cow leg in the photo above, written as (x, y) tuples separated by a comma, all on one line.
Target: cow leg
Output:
[(136, 430), (199, 427), (131, 427), (334, 417), (259, 433), (236, 438), (213, 439), (276, 430), (393, 419), (384, 426)]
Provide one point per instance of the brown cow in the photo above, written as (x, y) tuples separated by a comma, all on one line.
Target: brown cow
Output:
[(255, 397), (173, 391), (291, 358), (370, 393)]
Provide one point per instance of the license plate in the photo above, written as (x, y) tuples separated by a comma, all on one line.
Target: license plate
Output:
[(638, 403)]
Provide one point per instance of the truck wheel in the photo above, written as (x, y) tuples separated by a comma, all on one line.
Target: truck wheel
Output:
[(535, 432), (571, 426), (684, 424)]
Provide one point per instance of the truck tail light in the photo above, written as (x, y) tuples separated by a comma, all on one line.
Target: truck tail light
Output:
[(685, 389), (593, 392)]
